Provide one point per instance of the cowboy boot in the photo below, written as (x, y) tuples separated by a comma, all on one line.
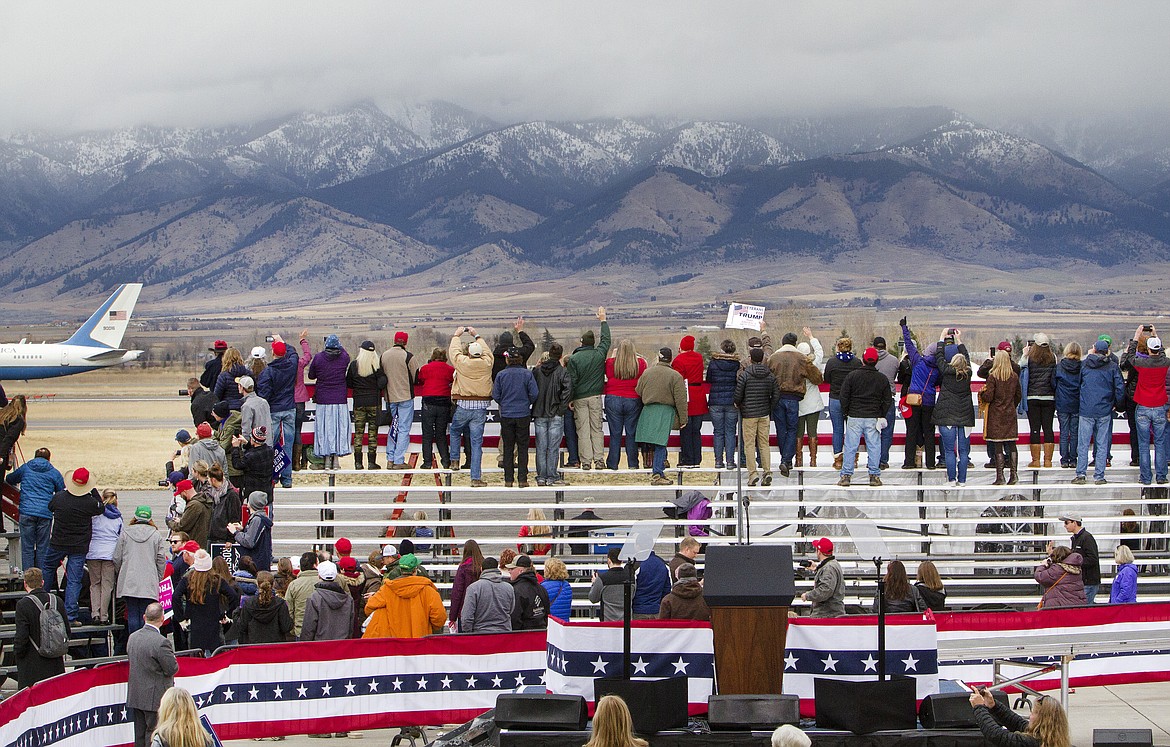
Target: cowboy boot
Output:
[(812, 451), (297, 457), (998, 459), (800, 457), (372, 460), (1035, 448), (838, 461), (1013, 464), (1048, 448)]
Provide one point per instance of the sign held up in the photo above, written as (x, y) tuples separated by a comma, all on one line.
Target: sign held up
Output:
[(744, 316)]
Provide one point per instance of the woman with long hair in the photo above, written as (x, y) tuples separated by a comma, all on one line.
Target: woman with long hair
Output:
[(1001, 394), (140, 564), (1068, 402), (256, 363), (953, 412), (202, 590), (843, 363), (809, 411), (722, 373), (900, 596), (1047, 726), (434, 386), (13, 421), (285, 575), (465, 575), (1123, 590), (537, 528), (613, 726), (1130, 525), (226, 389), (622, 405), (99, 561), (264, 618), (178, 722), (560, 593), (333, 429), (367, 381), (1038, 382), (930, 586)]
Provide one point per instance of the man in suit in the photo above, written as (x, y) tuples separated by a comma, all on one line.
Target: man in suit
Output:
[(152, 670)]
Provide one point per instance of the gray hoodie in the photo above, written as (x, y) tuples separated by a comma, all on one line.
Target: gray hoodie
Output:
[(888, 365), (487, 607), (328, 614), (140, 559), (207, 450)]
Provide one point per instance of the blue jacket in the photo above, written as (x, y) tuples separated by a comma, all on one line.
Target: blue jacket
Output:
[(104, 538), (38, 481), (278, 382), (1124, 588), (651, 585), (515, 390), (924, 375), (1101, 386), (560, 598), (1068, 386), (722, 373)]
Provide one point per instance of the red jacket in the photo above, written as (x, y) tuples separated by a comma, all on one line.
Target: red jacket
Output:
[(434, 379), (690, 365), (615, 387)]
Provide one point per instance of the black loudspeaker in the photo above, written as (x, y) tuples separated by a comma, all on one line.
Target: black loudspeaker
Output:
[(752, 712), (655, 705), (748, 576), (952, 710), (865, 707), (541, 712), (1123, 737)]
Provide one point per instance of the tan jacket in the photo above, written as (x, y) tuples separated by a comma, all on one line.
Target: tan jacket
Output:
[(400, 374), (662, 385), (473, 376), (792, 369)]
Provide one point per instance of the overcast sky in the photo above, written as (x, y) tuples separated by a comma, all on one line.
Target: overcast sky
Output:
[(70, 66)]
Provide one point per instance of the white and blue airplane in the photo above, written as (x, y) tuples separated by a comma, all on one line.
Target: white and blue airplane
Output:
[(95, 345)]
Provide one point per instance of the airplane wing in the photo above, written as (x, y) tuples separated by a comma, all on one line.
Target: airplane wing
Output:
[(104, 356)]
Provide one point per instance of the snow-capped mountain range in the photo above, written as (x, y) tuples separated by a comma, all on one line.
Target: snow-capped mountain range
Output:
[(372, 193)]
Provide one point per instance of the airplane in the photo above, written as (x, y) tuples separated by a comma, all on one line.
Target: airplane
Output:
[(94, 345)]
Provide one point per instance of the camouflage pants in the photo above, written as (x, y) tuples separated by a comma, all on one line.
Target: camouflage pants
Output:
[(363, 417)]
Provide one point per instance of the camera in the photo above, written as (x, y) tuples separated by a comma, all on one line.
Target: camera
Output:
[(1148, 327), (1031, 342), (163, 483), (183, 393), (806, 564), (269, 338)]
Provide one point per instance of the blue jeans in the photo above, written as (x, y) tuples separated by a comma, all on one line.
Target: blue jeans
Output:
[(1069, 425), (398, 439), (622, 415), (570, 428), (955, 438), (855, 430), (135, 609), (472, 422), (34, 541), (548, 447), (785, 414), (888, 434), (725, 423), (74, 572), (660, 460), (1100, 431), (837, 418), (284, 422), (1091, 592), (1151, 419)]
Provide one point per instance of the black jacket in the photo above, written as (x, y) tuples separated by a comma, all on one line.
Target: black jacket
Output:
[(756, 391), (531, 610), (256, 464), (936, 600), (205, 632), (866, 394), (554, 390), (31, 667), (992, 723), (1086, 545), (1041, 381), (499, 362), (953, 406), (73, 520), (211, 371), (8, 437), (201, 403), (835, 372), (367, 390)]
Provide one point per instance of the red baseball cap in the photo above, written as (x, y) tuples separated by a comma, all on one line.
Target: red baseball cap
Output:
[(218, 345), (824, 544), (191, 546), (184, 485), (400, 338), (348, 564), (870, 355), (203, 430), (343, 546), (279, 349)]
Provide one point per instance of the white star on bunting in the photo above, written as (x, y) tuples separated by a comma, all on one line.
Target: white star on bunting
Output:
[(397, 683), (790, 661), (640, 666), (519, 680), (680, 666), (349, 688), (830, 663), (471, 681), (228, 694), (911, 663), (302, 691), (446, 681), (497, 682), (253, 693), (278, 692), (373, 686), (598, 665), (326, 689), (422, 683), (870, 663)]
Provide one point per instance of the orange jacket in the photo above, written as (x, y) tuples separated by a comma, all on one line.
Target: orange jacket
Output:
[(407, 607)]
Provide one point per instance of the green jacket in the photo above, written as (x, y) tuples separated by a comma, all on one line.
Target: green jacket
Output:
[(227, 429), (587, 367)]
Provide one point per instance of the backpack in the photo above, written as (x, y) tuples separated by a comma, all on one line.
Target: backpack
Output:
[(54, 634)]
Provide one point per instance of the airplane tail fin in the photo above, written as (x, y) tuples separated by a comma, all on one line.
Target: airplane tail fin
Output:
[(108, 324)]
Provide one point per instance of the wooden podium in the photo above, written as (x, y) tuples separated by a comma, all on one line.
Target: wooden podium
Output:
[(749, 589)]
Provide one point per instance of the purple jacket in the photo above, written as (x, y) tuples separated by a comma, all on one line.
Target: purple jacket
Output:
[(924, 374), (328, 368), (1062, 582)]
